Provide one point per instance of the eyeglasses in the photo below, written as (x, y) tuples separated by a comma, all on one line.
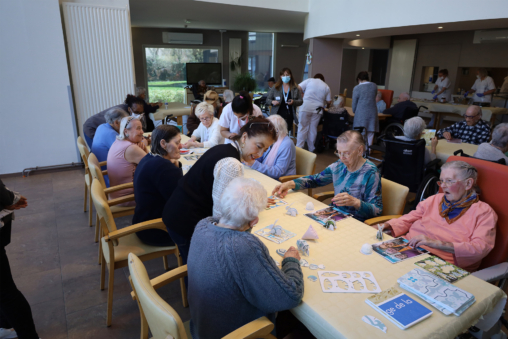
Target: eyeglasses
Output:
[(448, 183), (205, 119), (345, 155), (470, 116)]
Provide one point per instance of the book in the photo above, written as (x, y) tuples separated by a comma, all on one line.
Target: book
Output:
[(397, 250), (399, 308), (328, 213), (442, 269)]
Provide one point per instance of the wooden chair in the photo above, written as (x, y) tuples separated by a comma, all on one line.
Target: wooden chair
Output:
[(162, 320), (394, 200), (305, 165), (84, 152), (118, 243)]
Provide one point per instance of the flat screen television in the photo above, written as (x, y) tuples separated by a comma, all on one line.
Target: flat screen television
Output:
[(210, 72)]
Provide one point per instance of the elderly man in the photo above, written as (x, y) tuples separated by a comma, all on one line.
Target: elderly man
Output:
[(497, 148), (472, 130), (381, 105), (236, 281), (483, 88), (91, 124), (397, 111)]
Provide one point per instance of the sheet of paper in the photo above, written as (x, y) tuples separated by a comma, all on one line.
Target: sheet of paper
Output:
[(348, 282), (279, 239), (442, 269)]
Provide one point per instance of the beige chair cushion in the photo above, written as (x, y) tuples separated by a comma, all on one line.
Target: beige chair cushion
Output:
[(131, 244), (394, 197), (305, 161)]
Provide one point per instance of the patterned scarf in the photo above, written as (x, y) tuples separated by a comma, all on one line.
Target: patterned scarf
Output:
[(452, 211)]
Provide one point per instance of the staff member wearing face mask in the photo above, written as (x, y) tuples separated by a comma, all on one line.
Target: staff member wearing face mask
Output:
[(482, 88), (285, 97), (442, 88), (236, 114)]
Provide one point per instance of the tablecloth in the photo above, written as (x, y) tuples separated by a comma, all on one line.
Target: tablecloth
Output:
[(445, 149)]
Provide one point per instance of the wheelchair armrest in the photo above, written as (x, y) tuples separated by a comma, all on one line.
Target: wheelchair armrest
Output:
[(323, 196), (433, 164), (493, 273), (459, 151), (378, 148)]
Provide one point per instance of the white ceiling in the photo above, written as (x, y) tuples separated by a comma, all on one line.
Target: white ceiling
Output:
[(204, 15)]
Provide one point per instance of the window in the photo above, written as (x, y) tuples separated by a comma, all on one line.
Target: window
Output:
[(260, 61), (166, 73)]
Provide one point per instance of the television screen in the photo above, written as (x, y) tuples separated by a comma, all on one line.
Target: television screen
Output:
[(210, 72)]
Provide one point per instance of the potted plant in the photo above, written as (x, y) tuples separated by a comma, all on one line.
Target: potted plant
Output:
[(244, 82)]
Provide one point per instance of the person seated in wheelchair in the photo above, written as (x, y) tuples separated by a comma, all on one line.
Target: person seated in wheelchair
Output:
[(454, 225), (471, 130), (397, 110), (337, 107), (413, 130), (356, 180), (380, 103), (497, 148)]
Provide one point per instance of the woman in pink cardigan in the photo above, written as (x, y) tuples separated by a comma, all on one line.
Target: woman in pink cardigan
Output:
[(454, 225)]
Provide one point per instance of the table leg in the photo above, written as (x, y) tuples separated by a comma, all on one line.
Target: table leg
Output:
[(179, 120), (437, 116)]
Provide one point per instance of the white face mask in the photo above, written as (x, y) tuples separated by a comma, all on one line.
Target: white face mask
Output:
[(477, 77)]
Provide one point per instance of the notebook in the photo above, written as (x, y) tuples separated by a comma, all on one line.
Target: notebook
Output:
[(399, 308)]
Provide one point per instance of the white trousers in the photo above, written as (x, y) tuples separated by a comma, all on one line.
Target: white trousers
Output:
[(307, 129), (370, 138)]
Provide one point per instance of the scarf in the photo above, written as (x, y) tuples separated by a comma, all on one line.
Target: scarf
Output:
[(272, 155), (452, 211)]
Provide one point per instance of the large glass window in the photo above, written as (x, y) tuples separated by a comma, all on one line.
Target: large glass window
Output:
[(260, 62), (166, 73)]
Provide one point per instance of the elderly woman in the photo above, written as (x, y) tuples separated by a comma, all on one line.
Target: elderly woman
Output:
[(155, 179), (106, 134), (454, 225), (356, 181), (124, 155), (380, 103), (208, 131), (228, 97), (248, 284), (280, 159), (497, 148), (413, 130), (237, 114), (198, 192), (337, 106), (364, 106)]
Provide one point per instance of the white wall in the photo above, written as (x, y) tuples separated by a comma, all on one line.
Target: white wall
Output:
[(36, 124), (286, 5)]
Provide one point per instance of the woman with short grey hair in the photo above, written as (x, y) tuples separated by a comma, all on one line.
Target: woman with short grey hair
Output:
[(380, 103), (208, 131), (496, 149), (413, 130), (364, 106), (228, 96), (237, 281)]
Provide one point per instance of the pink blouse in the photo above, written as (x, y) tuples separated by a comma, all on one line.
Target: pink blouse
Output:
[(472, 235)]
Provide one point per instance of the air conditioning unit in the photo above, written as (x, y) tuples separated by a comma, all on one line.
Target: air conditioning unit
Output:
[(182, 38), (490, 36)]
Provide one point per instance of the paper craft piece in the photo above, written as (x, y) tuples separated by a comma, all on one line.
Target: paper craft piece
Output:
[(310, 234), (291, 211), (185, 151), (379, 235), (303, 247), (309, 206), (312, 278), (366, 249), (281, 252), (348, 282), (374, 322), (313, 266), (397, 250), (330, 225), (186, 167), (275, 237), (278, 202), (192, 157), (442, 269), (304, 263), (326, 214), (321, 266)]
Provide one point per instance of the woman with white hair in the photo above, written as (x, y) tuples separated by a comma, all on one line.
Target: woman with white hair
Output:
[(233, 280), (380, 103), (497, 148), (356, 180), (413, 130), (106, 134), (454, 225), (124, 155), (208, 131), (337, 106), (228, 96), (280, 159)]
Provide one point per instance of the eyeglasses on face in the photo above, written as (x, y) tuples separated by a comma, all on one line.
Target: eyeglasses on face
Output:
[(205, 119), (470, 116), (448, 182)]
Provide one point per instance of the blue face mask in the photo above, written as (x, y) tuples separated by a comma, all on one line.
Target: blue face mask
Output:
[(285, 79)]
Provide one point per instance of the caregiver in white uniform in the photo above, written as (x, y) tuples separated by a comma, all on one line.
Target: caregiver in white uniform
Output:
[(442, 91), (483, 88), (236, 114)]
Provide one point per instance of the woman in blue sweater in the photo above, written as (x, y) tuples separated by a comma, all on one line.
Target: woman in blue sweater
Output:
[(155, 180), (280, 159), (233, 280)]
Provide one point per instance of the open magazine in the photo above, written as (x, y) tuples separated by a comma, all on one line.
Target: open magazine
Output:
[(397, 250)]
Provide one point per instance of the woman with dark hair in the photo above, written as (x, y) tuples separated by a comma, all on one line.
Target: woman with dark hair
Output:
[(155, 179), (237, 114), (364, 106), (148, 108), (198, 192), (285, 97), (136, 108)]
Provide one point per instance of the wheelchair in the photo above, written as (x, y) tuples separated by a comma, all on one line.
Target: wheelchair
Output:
[(333, 125), (395, 127)]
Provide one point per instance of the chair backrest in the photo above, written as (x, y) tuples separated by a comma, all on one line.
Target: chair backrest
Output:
[(394, 197), (404, 162), (387, 96), (491, 177), (83, 151), (102, 207), (162, 319), (305, 162), (95, 169), (349, 102), (462, 154)]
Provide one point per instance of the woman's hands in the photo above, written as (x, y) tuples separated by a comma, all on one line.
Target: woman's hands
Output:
[(191, 143), (282, 189), (22, 203), (344, 199), (433, 144), (423, 240), (290, 101), (292, 252)]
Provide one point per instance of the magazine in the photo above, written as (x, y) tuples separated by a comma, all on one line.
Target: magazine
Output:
[(428, 134), (397, 250), (328, 213), (442, 269)]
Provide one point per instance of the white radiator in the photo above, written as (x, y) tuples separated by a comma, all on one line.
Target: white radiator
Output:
[(100, 54)]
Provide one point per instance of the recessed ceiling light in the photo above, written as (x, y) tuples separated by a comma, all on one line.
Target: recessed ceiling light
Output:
[(358, 35), (440, 27)]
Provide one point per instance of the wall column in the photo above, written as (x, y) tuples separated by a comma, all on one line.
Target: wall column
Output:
[(327, 60)]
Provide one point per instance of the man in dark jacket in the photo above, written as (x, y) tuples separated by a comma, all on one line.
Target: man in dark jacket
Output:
[(15, 312), (397, 111)]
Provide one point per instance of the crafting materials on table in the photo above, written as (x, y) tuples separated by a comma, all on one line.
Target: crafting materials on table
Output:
[(437, 292), (348, 282), (309, 206), (277, 202), (191, 157), (291, 211), (397, 250), (185, 151), (428, 134), (310, 234), (374, 322), (366, 249), (281, 252), (399, 308), (326, 214), (276, 238), (442, 269), (303, 247)]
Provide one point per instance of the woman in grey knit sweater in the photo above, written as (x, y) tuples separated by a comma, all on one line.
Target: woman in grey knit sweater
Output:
[(232, 278), (364, 106)]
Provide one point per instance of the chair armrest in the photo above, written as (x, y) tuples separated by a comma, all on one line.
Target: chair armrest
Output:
[(118, 187), (151, 224), (166, 278), (121, 200), (381, 219), (103, 163), (493, 273), (289, 178), (105, 172), (323, 196), (259, 328)]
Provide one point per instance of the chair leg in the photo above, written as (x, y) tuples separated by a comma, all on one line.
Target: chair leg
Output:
[(111, 283), (103, 270), (86, 197), (97, 227), (182, 281), (165, 260), (309, 192), (90, 212)]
